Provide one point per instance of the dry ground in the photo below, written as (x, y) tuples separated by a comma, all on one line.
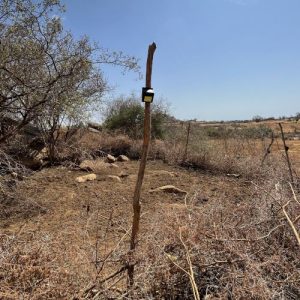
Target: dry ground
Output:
[(60, 239), (74, 220)]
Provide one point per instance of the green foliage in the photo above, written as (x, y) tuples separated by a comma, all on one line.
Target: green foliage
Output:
[(126, 114), (217, 132), (256, 132), (238, 132), (46, 75)]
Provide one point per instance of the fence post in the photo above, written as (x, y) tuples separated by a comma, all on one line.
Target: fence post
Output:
[(187, 141), (286, 149), (137, 192)]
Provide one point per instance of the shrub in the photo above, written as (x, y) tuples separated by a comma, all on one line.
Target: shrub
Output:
[(257, 118), (126, 114), (261, 131)]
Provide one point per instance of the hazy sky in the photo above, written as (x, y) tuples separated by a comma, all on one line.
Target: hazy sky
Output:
[(215, 59)]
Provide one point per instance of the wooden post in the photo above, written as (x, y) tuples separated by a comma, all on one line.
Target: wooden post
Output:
[(286, 149), (187, 141), (137, 192)]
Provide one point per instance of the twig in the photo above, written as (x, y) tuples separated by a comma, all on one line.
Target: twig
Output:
[(268, 150), (252, 240), (286, 149), (292, 225), (192, 278), (288, 218), (294, 194), (124, 268), (112, 251), (190, 273)]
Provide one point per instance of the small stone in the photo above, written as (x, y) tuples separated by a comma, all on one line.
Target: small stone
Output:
[(86, 165), (123, 174), (234, 175), (168, 189), (14, 174), (96, 166), (113, 166), (110, 158), (94, 130), (122, 158), (85, 178)]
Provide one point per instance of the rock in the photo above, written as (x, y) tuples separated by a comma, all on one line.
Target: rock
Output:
[(122, 158), (110, 158), (96, 126), (17, 176), (123, 174), (87, 165), (234, 175), (85, 178), (41, 154), (38, 154), (114, 178), (94, 130), (14, 174), (168, 189), (96, 166), (113, 166)]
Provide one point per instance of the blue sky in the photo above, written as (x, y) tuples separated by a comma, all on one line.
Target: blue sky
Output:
[(215, 59)]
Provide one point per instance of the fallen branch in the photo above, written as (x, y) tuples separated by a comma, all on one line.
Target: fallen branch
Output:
[(292, 225), (190, 273)]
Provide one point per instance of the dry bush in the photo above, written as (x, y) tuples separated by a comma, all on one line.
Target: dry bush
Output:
[(92, 145), (231, 248), (244, 250), (241, 152), (9, 165), (30, 268), (74, 263), (239, 155), (13, 203)]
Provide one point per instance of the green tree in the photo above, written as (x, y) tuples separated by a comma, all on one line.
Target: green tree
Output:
[(126, 114), (44, 71)]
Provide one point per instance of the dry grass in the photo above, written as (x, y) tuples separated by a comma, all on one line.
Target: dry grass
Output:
[(242, 250), (231, 237)]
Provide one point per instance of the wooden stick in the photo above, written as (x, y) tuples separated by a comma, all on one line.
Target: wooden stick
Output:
[(291, 223), (286, 149), (137, 192), (268, 150), (187, 141)]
